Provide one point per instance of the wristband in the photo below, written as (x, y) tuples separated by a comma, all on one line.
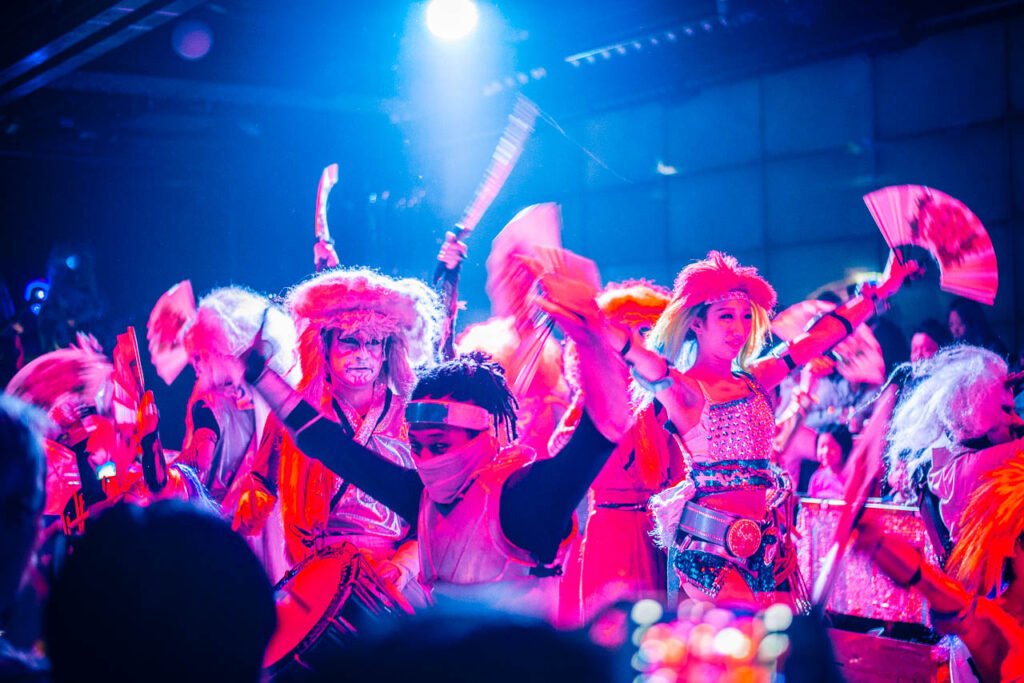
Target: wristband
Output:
[(870, 291), (915, 578), (847, 325), (658, 385)]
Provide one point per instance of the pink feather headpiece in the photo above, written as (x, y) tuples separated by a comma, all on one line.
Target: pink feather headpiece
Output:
[(635, 303), (716, 277), (404, 311)]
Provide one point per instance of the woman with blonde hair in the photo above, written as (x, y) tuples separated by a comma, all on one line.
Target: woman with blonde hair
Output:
[(728, 517)]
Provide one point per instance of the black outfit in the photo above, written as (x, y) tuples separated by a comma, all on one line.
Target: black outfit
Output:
[(536, 504)]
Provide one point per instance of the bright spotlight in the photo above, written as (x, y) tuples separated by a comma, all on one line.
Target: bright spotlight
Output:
[(451, 20)]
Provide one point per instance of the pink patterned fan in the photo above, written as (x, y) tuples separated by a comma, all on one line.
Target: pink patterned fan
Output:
[(859, 355), (62, 478), (173, 311), (508, 284), (128, 383), (947, 229)]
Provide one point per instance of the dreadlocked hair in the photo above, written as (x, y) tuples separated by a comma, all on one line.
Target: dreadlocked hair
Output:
[(472, 378)]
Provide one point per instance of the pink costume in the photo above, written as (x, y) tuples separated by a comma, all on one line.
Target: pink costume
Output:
[(618, 559), (955, 475), (730, 448), (826, 483), (239, 448), (320, 509), (465, 555)]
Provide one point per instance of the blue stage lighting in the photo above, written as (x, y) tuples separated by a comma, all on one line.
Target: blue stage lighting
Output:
[(451, 20)]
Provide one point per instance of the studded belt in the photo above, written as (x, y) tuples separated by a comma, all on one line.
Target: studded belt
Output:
[(741, 536)]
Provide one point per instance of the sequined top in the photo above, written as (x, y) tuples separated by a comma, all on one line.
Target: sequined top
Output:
[(730, 446)]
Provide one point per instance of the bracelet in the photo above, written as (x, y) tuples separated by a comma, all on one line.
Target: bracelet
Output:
[(915, 578), (847, 325), (658, 385), (627, 346), (870, 291)]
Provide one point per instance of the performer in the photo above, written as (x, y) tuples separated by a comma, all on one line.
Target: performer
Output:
[(618, 560), (73, 386), (225, 424), (981, 600), (729, 517), (362, 334), (833, 448), (492, 523), (953, 424)]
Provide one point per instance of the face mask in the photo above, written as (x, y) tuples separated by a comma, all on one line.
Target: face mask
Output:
[(447, 476)]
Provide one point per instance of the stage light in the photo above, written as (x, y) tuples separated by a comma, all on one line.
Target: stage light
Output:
[(451, 20), (192, 40)]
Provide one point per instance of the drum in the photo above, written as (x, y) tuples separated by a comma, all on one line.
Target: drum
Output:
[(861, 589), (322, 603)]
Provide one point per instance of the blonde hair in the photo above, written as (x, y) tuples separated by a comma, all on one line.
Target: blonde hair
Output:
[(673, 338)]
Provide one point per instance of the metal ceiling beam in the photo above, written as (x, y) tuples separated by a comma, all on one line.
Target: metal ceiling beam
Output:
[(183, 90), (114, 25)]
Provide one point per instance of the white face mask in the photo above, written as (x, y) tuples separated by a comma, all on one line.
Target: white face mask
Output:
[(447, 476)]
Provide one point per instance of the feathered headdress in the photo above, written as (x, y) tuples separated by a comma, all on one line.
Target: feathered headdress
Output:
[(634, 303), (63, 380), (404, 311), (716, 278), (991, 525), (718, 275)]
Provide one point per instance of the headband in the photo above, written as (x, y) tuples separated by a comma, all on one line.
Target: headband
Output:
[(449, 413), (731, 294)]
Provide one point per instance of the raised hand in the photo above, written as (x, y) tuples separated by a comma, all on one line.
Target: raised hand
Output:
[(148, 416), (896, 273), (452, 251), (324, 255)]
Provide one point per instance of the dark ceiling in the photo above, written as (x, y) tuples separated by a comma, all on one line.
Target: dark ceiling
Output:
[(77, 76)]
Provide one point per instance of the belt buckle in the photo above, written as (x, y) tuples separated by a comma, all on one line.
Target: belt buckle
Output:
[(743, 538)]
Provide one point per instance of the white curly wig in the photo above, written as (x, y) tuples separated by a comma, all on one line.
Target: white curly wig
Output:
[(949, 401), (404, 311), (236, 314)]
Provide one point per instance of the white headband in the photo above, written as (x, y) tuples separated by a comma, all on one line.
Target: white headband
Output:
[(450, 413)]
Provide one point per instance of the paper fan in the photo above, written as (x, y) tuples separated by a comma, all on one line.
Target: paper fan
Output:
[(948, 230), (173, 311), (859, 356), (128, 382), (62, 478), (508, 285)]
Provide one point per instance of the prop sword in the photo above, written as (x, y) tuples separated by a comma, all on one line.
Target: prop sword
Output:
[(860, 472), (324, 254), (510, 147)]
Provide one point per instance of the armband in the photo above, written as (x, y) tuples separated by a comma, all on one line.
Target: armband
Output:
[(658, 385), (847, 325), (627, 346), (869, 290), (915, 578)]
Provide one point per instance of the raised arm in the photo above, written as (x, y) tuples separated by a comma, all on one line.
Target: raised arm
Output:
[(834, 326), (537, 504), (330, 443)]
